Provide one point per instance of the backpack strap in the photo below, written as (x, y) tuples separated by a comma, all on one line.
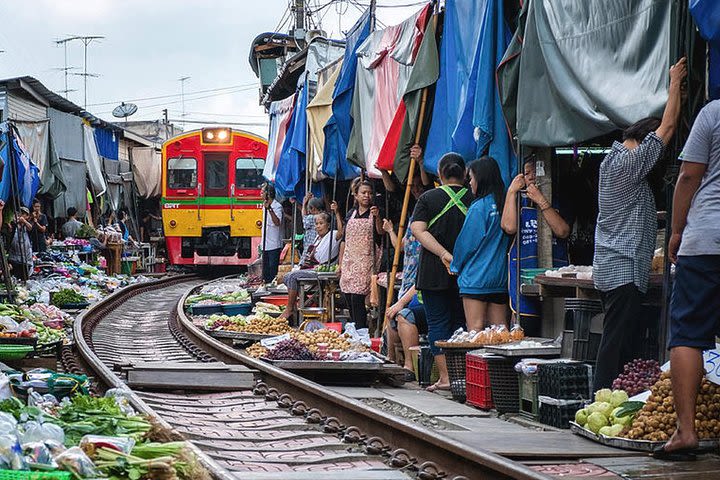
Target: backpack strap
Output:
[(455, 201)]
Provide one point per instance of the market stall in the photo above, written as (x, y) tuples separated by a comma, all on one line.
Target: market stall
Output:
[(318, 348)]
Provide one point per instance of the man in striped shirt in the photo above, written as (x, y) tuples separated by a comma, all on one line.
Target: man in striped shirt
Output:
[(626, 230)]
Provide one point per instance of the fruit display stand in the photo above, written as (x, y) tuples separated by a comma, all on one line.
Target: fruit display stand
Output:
[(629, 444)]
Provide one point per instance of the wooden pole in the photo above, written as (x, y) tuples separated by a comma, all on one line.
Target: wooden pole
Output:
[(406, 203)]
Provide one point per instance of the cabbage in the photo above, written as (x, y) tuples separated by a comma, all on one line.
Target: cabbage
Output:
[(581, 417), (595, 421), (592, 408), (603, 395), (618, 397), (623, 421)]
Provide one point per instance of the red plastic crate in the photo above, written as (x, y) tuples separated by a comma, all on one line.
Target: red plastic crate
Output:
[(477, 382)]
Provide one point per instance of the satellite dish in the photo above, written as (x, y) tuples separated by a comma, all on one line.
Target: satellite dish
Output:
[(124, 110)]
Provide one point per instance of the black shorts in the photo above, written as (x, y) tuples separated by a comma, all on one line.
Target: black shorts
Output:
[(497, 298), (695, 302)]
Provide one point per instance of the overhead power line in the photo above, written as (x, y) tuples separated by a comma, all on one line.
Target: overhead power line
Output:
[(158, 97), (215, 122)]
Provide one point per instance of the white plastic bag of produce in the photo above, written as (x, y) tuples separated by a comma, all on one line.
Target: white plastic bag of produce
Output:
[(357, 336), (5, 391)]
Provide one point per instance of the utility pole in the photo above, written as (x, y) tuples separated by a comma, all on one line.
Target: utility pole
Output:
[(165, 114), (182, 97), (86, 40)]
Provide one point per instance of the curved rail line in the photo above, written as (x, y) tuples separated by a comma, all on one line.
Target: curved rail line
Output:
[(286, 424)]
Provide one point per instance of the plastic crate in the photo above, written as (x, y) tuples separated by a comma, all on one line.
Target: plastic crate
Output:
[(562, 380), (26, 475), (556, 412), (528, 385), (477, 381), (206, 309), (579, 313), (455, 359), (504, 384), (232, 309)]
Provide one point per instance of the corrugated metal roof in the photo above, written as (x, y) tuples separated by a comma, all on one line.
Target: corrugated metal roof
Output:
[(35, 88)]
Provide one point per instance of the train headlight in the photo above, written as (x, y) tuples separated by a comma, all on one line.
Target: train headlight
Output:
[(173, 223), (216, 135), (258, 223)]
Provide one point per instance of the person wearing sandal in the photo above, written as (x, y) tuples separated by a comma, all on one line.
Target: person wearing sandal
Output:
[(437, 221), (323, 250), (694, 248)]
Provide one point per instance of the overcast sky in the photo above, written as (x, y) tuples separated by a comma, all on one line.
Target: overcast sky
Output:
[(149, 45)]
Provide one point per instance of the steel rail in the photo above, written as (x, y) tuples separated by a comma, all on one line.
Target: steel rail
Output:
[(430, 450), (91, 316)]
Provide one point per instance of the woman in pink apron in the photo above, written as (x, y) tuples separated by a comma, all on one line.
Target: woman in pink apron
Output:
[(358, 252)]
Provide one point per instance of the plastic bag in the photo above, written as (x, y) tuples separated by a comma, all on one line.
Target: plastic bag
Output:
[(11, 456), (90, 443), (37, 453), (8, 424), (8, 324), (5, 390), (76, 461), (122, 400), (358, 336), (33, 432)]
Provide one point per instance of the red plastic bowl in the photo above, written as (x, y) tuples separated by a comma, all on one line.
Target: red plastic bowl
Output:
[(280, 300), (337, 326)]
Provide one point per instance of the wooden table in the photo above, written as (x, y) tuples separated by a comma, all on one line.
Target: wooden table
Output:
[(115, 253), (571, 287)]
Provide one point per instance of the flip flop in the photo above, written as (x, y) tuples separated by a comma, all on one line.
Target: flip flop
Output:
[(681, 454), (437, 386)]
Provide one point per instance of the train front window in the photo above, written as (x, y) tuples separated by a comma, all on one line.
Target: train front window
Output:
[(216, 174), (182, 173), (248, 172)]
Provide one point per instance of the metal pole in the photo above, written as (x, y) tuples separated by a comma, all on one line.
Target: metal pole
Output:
[(294, 231), (518, 239)]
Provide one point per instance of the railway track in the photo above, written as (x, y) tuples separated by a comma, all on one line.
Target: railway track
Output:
[(285, 427)]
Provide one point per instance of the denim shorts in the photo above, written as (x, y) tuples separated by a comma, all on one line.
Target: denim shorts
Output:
[(414, 315)]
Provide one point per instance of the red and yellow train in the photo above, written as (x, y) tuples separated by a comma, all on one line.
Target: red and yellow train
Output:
[(211, 198)]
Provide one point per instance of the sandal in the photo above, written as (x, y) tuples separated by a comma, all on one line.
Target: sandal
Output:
[(437, 386), (688, 454)]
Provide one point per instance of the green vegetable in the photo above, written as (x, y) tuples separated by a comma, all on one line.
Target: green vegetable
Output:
[(629, 408), (67, 296)]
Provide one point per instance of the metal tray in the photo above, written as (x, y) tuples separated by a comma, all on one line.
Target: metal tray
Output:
[(237, 335), (323, 365), (628, 444), (506, 351)]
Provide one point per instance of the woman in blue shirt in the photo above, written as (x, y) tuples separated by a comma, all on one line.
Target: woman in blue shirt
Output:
[(480, 254)]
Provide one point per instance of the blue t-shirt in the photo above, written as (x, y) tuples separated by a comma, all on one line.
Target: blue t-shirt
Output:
[(480, 253)]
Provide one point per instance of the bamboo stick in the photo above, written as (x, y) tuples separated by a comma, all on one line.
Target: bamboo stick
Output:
[(406, 203)]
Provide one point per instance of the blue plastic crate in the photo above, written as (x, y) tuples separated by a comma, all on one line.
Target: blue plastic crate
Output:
[(233, 309)]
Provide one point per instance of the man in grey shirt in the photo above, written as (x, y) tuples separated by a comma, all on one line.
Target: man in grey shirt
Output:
[(626, 231), (71, 227), (694, 247)]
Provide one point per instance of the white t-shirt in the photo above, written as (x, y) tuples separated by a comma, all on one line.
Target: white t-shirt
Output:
[(323, 247), (272, 236)]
